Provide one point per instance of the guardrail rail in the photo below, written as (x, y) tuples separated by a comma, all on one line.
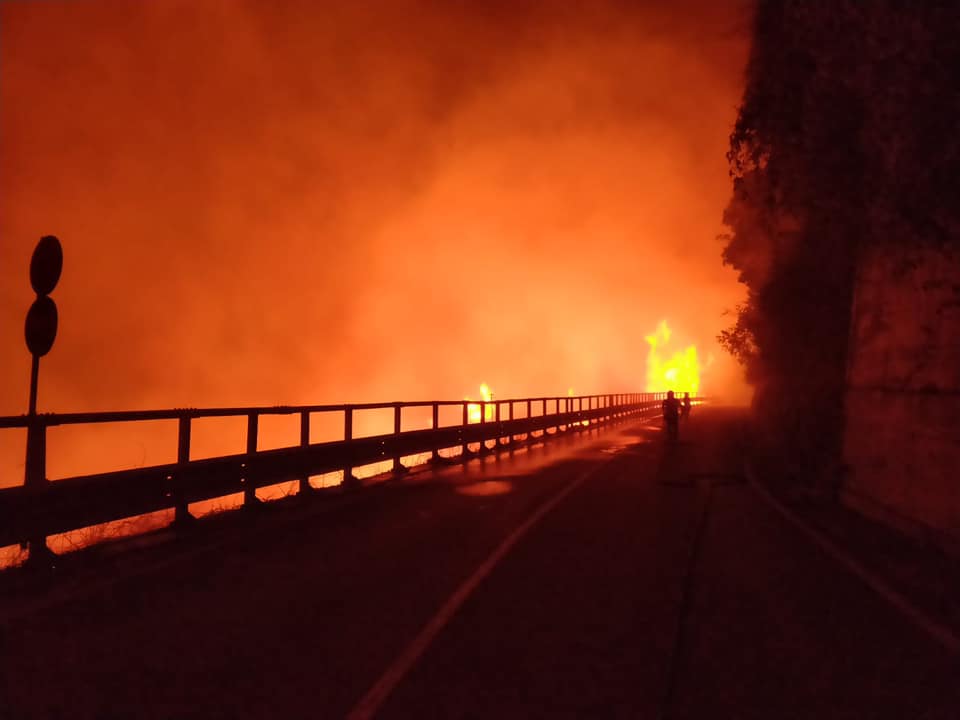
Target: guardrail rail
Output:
[(31, 512)]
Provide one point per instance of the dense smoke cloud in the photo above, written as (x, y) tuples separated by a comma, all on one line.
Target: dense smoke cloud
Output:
[(296, 202)]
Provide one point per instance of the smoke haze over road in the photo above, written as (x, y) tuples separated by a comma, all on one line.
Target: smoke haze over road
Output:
[(266, 203)]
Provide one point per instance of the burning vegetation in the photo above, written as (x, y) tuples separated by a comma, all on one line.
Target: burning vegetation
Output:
[(474, 412), (668, 368)]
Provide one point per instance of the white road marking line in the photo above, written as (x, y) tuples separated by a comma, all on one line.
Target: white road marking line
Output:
[(394, 674), (939, 632)]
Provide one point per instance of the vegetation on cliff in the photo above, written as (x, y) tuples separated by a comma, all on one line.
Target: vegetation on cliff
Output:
[(846, 137)]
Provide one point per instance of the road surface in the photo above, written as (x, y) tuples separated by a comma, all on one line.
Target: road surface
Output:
[(605, 576)]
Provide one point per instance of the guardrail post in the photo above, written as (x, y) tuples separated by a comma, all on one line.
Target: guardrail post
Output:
[(510, 440), (483, 427), (305, 486), (348, 478), (398, 467), (497, 419), (181, 513), (529, 418), (435, 423), (465, 452), (543, 430), (250, 490)]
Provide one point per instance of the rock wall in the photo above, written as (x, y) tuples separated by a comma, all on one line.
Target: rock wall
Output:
[(902, 433)]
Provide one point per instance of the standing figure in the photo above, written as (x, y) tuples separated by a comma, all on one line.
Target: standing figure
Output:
[(687, 404), (671, 416)]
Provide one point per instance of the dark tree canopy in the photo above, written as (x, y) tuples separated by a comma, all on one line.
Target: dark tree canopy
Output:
[(847, 137)]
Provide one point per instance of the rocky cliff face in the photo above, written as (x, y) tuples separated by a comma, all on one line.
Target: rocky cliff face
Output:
[(845, 228), (902, 436)]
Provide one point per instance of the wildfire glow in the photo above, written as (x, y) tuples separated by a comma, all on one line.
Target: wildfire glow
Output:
[(582, 422), (679, 371), (473, 409)]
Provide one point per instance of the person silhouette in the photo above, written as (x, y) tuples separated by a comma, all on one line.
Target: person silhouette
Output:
[(671, 415), (687, 404)]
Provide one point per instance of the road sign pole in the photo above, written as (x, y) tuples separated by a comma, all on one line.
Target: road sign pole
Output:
[(40, 331), (35, 469), (34, 376)]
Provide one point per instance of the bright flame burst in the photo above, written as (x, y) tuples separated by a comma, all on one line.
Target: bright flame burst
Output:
[(473, 409), (679, 372)]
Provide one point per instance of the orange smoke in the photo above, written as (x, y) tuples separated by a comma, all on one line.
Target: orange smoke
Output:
[(337, 202)]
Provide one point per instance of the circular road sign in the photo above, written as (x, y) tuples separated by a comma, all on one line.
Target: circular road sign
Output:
[(41, 326), (46, 265)]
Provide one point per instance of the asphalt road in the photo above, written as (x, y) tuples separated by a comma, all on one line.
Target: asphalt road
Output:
[(602, 576)]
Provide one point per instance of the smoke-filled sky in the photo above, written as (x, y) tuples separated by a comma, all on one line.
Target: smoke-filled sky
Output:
[(293, 202)]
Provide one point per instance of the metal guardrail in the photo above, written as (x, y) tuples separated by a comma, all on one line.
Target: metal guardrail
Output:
[(41, 507)]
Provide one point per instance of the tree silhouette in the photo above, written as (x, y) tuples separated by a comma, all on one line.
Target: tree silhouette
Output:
[(845, 140)]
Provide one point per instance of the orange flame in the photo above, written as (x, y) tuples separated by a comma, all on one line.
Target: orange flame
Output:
[(679, 371), (473, 409)]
